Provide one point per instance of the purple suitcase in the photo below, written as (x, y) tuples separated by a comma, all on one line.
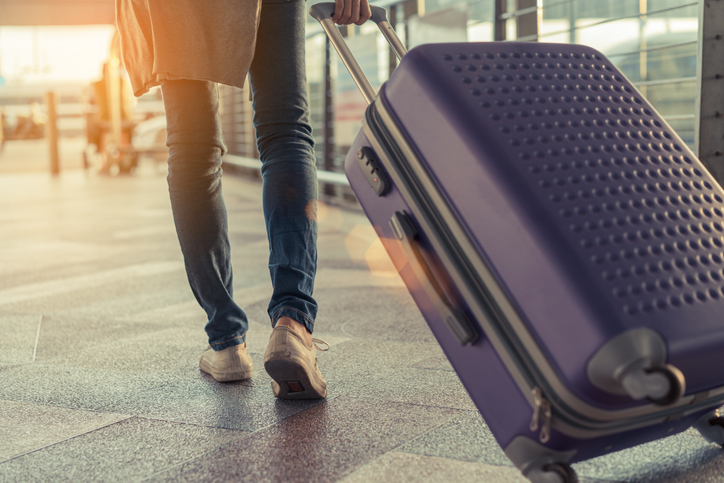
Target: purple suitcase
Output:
[(564, 245)]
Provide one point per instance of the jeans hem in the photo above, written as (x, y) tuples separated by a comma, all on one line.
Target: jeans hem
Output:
[(219, 346), (293, 314)]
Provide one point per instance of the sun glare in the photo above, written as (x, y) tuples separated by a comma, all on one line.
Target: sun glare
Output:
[(53, 54)]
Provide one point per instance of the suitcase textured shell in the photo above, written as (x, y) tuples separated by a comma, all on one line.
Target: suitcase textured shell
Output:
[(595, 215), (592, 214)]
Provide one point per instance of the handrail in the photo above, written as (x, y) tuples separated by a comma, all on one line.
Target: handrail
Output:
[(680, 117), (652, 49), (615, 19), (323, 176), (664, 82)]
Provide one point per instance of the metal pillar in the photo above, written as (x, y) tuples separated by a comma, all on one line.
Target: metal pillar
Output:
[(571, 22), (113, 91), (527, 22), (499, 23), (709, 126), (51, 100), (329, 146), (414, 7), (410, 8), (643, 54)]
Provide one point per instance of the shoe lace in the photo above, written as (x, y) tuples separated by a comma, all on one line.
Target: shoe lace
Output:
[(320, 341)]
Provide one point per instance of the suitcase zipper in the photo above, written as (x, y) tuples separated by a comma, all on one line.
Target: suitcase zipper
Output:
[(542, 415), (528, 375)]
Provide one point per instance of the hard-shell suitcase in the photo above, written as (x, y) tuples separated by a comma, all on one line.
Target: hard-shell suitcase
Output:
[(564, 245)]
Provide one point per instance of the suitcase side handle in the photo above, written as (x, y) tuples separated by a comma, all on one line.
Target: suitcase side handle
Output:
[(455, 319), (323, 13)]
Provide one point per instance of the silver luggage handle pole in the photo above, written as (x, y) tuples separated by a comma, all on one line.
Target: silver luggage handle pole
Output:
[(323, 13)]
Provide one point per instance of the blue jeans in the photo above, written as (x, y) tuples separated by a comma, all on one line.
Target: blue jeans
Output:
[(286, 149)]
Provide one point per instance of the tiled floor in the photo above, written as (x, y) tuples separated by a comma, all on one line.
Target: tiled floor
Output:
[(100, 338)]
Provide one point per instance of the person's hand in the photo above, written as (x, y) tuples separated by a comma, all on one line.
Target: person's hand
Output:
[(351, 11)]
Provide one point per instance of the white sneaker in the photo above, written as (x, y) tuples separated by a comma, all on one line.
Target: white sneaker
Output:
[(293, 366), (230, 364)]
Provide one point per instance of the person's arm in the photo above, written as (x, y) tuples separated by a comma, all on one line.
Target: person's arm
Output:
[(351, 11)]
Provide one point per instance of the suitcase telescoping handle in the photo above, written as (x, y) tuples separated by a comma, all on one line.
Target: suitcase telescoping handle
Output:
[(454, 318), (323, 13)]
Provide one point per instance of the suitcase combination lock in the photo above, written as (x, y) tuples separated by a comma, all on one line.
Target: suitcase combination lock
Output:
[(374, 175)]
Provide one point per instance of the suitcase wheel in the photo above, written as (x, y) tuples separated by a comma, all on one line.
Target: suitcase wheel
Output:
[(554, 473), (539, 463), (711, 427), (677, 384), (634, 364)]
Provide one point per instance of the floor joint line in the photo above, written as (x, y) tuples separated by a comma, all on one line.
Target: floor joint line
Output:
[(37, 338)]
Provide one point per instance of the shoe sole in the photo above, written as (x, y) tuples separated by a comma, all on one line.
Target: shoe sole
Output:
[(293, 380), (225, 376)]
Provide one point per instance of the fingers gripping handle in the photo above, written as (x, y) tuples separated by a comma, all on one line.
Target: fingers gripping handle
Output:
[(323, 10), (323, 13)]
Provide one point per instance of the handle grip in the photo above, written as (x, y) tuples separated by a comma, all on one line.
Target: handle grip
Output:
[(323, 13), (455, 319), (323, 10)]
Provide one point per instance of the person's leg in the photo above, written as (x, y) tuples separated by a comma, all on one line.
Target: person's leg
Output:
[(194, 177), (286, 149)]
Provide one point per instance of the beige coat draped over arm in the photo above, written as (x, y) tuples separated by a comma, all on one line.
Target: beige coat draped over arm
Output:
[(211, 40)]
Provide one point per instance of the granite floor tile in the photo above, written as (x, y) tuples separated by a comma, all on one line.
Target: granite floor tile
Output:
[(332, 248), (335, 278), (161, 381), (107, 279), (363, 367), (465, 438), (32, 260), (179, 386), (129, 345), (408, 468), (125, 299), (26, 427), (196, 398), (125, 451), (381, 313), (708, 467), (241, 239), (187, 313), (171, 350), (419, 386), (246, 223), (167, 351), (18, 335), (73, 387), (321, 444), (684, 457), (437, 360), (250, 263), (677, 458), (187, 395), (63, 334), (117, 298)]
